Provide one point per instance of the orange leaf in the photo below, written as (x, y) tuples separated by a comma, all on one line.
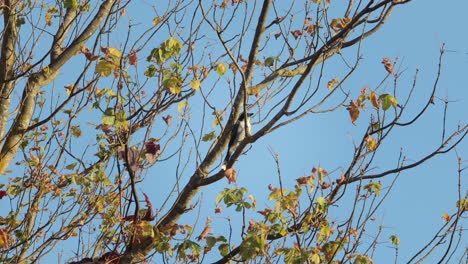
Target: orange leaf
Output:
[(205, 231), (353, 112), (5, 238), (446, 217), (230, 175), (297, 33), (374, 100), (388, 65), (167, 119), (132, 58)]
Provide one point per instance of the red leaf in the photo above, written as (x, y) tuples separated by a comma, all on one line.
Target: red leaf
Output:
[(3, 194)]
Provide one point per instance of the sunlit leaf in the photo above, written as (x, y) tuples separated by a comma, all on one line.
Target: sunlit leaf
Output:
[(373, 98), (104, 67), (388, 65), (371, 143), (446, 217), (332, 83), (71, 4), (157, 20), (195, 84), (221, 69), (353, 111), (181, 106), (5, 238), (395, 240), (388, 101), (76, 131)]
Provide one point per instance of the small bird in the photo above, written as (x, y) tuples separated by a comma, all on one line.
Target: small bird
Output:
[(237, 135)]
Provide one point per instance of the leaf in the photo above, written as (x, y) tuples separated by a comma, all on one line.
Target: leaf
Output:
[(331, 84), (109, 117), (132, 58), (48, 19), (195, 84), (338, 24), (388, 65), (157, 20), (230, 175), (371, 143), (206, 230), (71, 166), (209, 136), (71, 4), (373, 98), (446, 217), (373, 187), (181, 106), (221, 69), (167, 119), (315, 258), (76, 131), (270, 61), (173, 84), (395, 240), (297, 33), (387, 101), (151, 151), (5, 238), (3, 193), (104, 68), (353, 112), (321, 204), (150, 71)]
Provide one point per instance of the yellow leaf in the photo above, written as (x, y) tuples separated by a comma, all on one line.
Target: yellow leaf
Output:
[(331, 84), (315, 258), (104, 68), (195, 84), (157, 20), (371, 143), (48, 19), (5, 238), (221, 69), (446, 217), (181, 106), (374, 100)]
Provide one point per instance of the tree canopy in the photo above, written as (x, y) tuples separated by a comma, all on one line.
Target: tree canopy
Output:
[(115, 117)]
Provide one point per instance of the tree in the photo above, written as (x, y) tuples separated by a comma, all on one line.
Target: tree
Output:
[(95, 102)]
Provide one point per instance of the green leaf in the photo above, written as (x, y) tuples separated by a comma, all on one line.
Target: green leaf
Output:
[(270, 61), (387, 101), (71, 166), (71, 4), (395, 240), (223, 249), (150, 71), (321, 204), (210, 136), (109, 117)]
